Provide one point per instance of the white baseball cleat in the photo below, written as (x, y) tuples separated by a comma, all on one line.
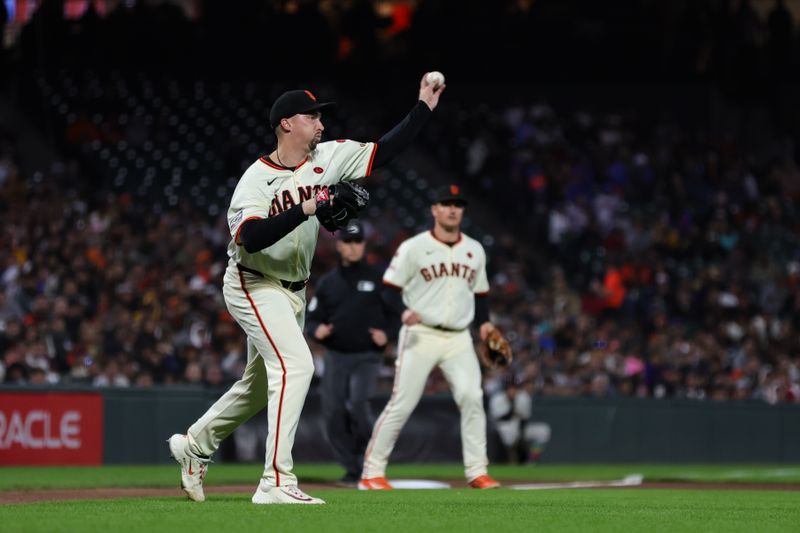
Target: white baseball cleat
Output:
[(285, 494), (193, 469)]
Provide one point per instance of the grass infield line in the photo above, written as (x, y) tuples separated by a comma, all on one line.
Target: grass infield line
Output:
[(630, 481)]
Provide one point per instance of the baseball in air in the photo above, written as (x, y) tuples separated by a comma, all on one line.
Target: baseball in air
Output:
[(435, 78)]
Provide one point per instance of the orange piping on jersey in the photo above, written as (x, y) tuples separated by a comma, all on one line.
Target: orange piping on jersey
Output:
[(371, 159), (400, 351), (283, 379), (447, 243), (239, 229), (271, 164), (392, 285)]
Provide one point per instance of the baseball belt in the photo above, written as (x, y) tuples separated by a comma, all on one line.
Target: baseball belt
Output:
[(293, 286), (442, 328)]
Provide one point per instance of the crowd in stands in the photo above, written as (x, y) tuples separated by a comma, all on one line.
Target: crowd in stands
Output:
[(648, 266), (639, 258), (632, 254)]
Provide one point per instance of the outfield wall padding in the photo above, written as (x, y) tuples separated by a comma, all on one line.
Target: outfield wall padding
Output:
[(136, 423)]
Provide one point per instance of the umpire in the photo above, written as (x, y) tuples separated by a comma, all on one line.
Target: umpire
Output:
[(350, 316)]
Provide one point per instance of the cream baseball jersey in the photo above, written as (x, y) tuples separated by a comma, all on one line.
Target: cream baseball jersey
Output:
[(438, 280), (266, 190)]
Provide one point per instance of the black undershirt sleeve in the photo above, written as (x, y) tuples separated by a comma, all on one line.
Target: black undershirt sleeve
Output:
[(393, 142), (393, 299), (261, 233), (481, 309)]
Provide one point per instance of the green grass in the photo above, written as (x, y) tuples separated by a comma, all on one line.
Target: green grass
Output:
[(435, 510), (458, 510), (20, 478)]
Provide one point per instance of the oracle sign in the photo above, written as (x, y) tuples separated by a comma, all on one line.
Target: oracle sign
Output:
[(51, 428)]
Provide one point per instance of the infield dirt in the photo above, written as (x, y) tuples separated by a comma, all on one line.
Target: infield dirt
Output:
[(33, 496)]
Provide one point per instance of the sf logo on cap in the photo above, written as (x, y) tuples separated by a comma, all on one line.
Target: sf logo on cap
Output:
[(454, 189)]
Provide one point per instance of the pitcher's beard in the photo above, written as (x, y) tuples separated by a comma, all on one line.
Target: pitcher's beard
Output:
[(313, 144)]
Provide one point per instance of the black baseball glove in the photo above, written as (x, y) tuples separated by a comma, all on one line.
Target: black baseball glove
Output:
[(340, 203)]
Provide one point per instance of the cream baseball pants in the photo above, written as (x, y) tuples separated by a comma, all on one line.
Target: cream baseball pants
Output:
[(419, 349), (278, 373)]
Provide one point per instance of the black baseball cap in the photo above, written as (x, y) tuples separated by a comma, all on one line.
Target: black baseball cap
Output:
[(449, 193), (295, 102), (354, 231)]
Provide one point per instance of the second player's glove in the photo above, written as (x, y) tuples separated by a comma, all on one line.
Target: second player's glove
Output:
[(495, 351), (340, 203)]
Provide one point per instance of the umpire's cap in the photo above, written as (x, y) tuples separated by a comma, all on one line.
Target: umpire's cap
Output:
[(292, 103), (449, 193), (353, 232)]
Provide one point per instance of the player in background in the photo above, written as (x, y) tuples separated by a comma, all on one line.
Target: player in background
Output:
[(350, 316), (273, 238), (511, 409), (442, 276)]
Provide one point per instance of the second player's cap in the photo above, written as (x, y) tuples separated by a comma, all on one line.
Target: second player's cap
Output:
[(449, 193), (354, 231), (294, 102)]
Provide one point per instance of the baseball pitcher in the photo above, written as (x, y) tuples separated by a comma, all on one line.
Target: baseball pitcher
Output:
[(274, 218)]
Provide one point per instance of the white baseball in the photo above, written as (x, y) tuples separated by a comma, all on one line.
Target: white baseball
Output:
[(435, 78)]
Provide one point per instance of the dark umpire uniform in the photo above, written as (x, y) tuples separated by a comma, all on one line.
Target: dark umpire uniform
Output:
[(350, 315)]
